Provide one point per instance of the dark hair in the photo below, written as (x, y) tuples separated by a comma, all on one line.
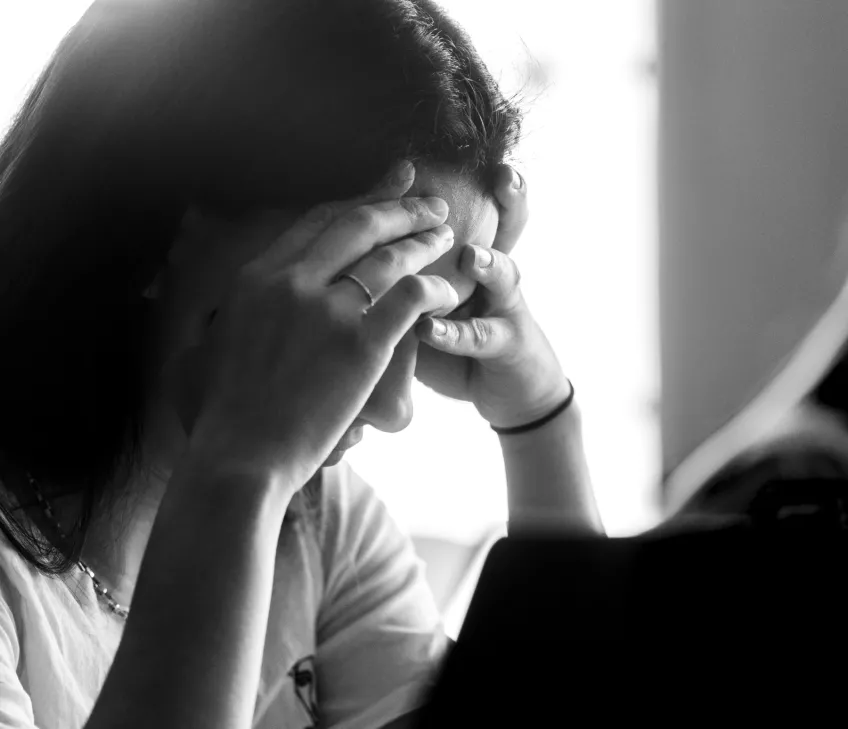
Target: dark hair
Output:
[(231, 105)]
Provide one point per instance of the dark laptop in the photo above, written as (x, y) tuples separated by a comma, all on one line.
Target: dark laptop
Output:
[(560, 630)]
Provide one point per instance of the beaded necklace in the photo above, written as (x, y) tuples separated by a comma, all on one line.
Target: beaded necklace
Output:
[(119, 610)]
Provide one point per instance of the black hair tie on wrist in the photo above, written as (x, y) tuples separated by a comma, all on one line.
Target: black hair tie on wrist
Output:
[(541, 421)]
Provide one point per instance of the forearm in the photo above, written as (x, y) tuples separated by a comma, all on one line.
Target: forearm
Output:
[(191, 652), (548, 482)]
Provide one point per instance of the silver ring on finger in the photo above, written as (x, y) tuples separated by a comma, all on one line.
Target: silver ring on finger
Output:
[(359, 283)]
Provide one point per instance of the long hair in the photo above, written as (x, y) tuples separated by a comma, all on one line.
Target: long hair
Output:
[(149, 106)]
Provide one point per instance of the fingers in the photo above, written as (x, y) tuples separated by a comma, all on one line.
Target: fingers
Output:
[(394, 185), (515, 213), (316, 220), (497, 273), (480, 338), (407, 301), (359, 231), (385, 265)]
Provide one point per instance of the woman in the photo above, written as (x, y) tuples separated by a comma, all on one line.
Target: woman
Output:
[(191, 339)]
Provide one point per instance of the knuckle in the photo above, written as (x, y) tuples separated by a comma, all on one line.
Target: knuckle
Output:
[(414, 206), (427, 238), (288, 287), (363, 217), (389, 256), (516, 273), (296, 275), (480, 331), (321, 214), (413, 287), (257, 291)]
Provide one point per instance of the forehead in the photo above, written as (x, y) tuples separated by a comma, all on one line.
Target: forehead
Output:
[(473, 217), (206, 239)]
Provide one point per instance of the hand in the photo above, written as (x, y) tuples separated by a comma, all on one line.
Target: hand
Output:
[(498, 359), (289, 360)]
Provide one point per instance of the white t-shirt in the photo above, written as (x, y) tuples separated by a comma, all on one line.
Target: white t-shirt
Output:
[(354, 636)]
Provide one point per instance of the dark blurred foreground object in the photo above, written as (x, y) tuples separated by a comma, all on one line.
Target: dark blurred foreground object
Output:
[(738, 620), (761, 479)]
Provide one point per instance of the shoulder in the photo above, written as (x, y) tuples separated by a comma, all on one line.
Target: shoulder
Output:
[(348, 503), (355, 522)]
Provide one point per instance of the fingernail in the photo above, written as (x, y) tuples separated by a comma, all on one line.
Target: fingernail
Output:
[(437, 205), (439, 327), (445, 233), (404, 172), (483, 257), (517, 181)]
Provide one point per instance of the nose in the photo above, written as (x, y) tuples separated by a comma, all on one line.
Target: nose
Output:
[(390, 406)]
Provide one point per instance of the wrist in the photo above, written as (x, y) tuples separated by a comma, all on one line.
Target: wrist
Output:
[(568, 423), (542, 415), (217, 463), (234, 445)]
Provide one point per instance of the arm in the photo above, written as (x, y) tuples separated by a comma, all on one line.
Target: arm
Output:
[(494, 354), (192, 647), (548, 486), (548, 482)]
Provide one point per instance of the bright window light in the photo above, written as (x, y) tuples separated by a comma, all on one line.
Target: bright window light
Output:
[(588, 259)]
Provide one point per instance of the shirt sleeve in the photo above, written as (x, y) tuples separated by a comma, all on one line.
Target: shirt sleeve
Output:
[(380, 636), (15, 704)]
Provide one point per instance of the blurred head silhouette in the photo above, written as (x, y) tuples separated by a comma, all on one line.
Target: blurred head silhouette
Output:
[(795, 428)]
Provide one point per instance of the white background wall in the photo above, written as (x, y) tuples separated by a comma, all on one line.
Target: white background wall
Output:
[(754, 173), (588, 256), (588, 260)]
